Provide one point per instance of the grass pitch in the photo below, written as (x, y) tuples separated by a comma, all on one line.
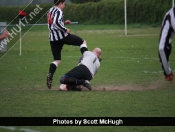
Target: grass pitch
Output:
[(129, 82)]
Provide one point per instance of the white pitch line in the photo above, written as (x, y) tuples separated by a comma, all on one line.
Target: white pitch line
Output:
[(145, 58), (153, 72), (20, 129), (28, 130)]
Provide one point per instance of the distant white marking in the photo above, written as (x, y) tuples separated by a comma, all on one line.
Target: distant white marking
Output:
[(20, 129), (146, 58), (9, 128), (72, 56), (153, 72)]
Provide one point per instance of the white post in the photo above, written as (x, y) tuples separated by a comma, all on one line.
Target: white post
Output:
[(125, 17), (20, 36), (172, 3)]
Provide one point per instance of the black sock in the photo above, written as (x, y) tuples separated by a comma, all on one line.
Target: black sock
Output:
[(52, 68)]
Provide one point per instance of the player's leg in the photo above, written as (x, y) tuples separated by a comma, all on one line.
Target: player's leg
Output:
[(77, 76), (165, 40), (73, 40), (71, 81), (56, 48)]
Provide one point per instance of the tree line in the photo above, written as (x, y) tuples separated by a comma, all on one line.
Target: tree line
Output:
[(102, 12), (26, 2), (83, 1)]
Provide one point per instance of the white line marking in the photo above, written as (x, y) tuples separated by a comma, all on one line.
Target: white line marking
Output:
[(20, 129), (9, 128), (146, 58), (153, 72)]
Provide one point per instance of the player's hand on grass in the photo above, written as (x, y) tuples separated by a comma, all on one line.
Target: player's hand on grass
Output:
[(169, 77)]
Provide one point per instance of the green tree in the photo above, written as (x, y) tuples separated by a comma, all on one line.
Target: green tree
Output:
[(3, 2), (41, 1), (83, 1), (14, 2)]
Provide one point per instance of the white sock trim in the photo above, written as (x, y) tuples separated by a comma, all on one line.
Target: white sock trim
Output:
[(55, 63), (83, 45)]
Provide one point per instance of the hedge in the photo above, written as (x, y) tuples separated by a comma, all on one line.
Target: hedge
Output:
[(103, 12)]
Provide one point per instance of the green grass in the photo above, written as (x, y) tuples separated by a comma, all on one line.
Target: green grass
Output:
[(129, 62)]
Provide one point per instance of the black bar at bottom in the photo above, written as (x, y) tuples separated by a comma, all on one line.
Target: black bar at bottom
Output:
[(87, 121)]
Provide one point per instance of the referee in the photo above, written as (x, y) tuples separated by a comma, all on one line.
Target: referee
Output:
[(59, 35), (166, 36)]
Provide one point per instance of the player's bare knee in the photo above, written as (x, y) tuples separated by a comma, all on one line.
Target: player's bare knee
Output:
[(56, 62)]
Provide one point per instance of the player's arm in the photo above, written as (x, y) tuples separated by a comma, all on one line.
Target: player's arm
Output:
[(4, 35), (83, 47), (67, 22), (58, 22)]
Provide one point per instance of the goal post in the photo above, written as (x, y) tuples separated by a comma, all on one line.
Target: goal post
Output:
[(172, 3), (125, 11), (125, 14)]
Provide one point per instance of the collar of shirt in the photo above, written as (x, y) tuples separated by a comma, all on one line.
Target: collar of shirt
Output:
[(57, 8)]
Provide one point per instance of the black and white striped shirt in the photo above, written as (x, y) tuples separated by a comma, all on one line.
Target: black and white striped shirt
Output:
[(55, 18)]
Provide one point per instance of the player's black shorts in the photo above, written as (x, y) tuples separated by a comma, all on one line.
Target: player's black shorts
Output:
[(80, 72), (70, 39)]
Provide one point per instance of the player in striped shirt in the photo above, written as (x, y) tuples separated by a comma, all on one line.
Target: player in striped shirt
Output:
[(80, 75), (59, 35), (166, 36)]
